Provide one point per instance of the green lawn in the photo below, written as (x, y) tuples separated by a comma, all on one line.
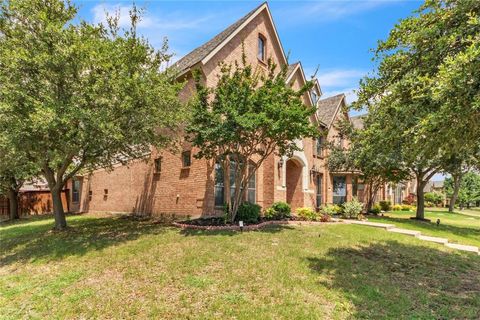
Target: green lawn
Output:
[(110, 267), (460, 227)]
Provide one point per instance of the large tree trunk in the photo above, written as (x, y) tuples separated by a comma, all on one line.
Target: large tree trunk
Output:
[(369, 204), (457, 179), (13, 203), (56, 186), (420, 198), (60, 220)]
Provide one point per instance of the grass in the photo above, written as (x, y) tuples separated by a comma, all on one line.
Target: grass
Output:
[(111, 267), (458, 227)]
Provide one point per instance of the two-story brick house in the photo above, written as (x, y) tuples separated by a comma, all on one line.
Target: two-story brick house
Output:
[(178, 183)]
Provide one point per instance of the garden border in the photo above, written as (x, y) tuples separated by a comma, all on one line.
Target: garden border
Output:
[(251, 227)]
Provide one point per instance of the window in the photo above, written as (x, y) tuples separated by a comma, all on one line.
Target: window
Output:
[(355, 187), (319, 190), (261, 48), (219, 185), (76, 191), (186, 158), (314, 97), (339, 189), (158, 165), (319, 146), (250, 195), (251, 192)]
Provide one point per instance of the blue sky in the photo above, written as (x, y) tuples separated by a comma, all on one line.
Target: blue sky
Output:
[(335, 35)]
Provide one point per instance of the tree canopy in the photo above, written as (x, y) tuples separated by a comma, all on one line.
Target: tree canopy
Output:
[(469, 191), (248, 116), (410, 118), (78, 96)]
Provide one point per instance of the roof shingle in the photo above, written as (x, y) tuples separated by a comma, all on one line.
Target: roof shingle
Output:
[(328, 107), (358, 121), (201, 52)]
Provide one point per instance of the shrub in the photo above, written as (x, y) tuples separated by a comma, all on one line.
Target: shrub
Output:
[(352, 209), (410, 199), (325, 218), (375, 209), (332, 209), (397, 207), (434, 198), (269, 214), (406, 207), (248, 212), (307, 214), (385, 205), (278, 211), (429, 204)]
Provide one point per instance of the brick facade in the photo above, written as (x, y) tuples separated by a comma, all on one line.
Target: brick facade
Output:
[(190, 190)]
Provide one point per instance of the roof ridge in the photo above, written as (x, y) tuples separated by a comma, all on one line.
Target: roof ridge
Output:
[(335, 96), (197, 54)]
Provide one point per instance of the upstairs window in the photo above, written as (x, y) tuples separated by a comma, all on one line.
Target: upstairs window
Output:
[(186, 158), (314, 97), (261, 48)]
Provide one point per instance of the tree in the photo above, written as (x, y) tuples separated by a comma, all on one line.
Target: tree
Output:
[(406, 98), (434, 197), (364, 156), (457, 165), (469, 191), (246, 118), (77, 96)]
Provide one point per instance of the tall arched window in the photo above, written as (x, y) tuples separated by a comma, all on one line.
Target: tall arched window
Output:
[(261, 48), (252, 186), (250, 194), (219, 185)]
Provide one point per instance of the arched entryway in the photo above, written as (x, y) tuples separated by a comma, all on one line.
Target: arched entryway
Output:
[(294, 183)]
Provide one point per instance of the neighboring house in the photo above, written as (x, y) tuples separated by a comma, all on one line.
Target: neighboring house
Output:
[(439, 187), (435, 186), (396, 193), (34, 199), (177, 183)]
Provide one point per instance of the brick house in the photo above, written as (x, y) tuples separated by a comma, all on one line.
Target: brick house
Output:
[(177, 183)]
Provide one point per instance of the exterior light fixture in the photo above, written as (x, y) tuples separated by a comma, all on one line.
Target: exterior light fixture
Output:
[(240, 224), (280, 163)]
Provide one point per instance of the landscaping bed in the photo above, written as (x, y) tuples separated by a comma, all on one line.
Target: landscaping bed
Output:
[(218, 223)]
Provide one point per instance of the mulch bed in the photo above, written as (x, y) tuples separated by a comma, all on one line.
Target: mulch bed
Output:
[(218, 224)]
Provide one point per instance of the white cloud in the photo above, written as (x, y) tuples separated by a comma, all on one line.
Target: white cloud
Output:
[(339, 77), (350, 94), (101, 11), (330, 10), (148, 21)]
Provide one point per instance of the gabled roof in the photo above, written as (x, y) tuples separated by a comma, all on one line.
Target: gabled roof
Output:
[(208, 49), (291, 69), (328, 108), (358, 121)]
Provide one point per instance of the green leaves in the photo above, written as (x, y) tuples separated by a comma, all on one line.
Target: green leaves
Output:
[(250, 114), (79, 96)]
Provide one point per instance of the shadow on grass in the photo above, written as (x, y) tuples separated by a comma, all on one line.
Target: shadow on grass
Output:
[(25, 241), (266, 229), (390, 280), (471, 233)]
